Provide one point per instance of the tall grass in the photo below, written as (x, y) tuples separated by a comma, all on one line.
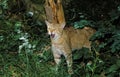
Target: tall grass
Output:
[(39, 65), (28, 65)]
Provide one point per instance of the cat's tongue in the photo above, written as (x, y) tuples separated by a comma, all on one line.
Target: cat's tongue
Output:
[(52, 35)]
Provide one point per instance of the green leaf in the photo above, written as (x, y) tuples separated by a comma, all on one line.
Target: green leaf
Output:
[(118, 63), (82, 24), (118, 8), (96, 75), (77, 54), (112, 68), (87, 75), (18, 24), (4, 4)]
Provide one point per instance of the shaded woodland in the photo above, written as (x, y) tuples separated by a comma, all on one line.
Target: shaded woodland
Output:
[(25, 46)]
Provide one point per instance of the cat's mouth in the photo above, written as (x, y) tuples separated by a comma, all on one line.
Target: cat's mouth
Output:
[(52, 35)]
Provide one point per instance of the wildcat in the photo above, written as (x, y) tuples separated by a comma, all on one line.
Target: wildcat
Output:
[(65, 39)]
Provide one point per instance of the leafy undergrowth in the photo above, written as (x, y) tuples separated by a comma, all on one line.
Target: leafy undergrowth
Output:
[(25, 52), (42, 65), (27, 65), (30, 65), (25, 47)]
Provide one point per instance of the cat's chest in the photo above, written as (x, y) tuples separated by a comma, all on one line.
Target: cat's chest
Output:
[(58, 49)]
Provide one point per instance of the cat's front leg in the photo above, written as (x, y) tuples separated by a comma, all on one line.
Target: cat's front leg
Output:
[(57, 59), (69, 61), (57, 56)]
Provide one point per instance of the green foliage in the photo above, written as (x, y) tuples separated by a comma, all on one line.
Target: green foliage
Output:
[(9, 36), (25, 47), (4, 4), (83, 23), (108, 49), (115, 47)]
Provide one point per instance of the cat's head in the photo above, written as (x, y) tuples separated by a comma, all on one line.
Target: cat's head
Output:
[(54, 30)]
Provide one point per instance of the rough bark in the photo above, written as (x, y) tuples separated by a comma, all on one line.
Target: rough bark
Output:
[(54, 11)]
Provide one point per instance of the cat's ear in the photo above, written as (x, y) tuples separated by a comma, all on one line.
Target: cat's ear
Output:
[(63, 25), (47, 23)]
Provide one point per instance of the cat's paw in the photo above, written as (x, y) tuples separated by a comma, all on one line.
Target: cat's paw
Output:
[(70, 71)]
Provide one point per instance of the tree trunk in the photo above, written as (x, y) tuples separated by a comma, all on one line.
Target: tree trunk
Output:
[(54, 12)]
